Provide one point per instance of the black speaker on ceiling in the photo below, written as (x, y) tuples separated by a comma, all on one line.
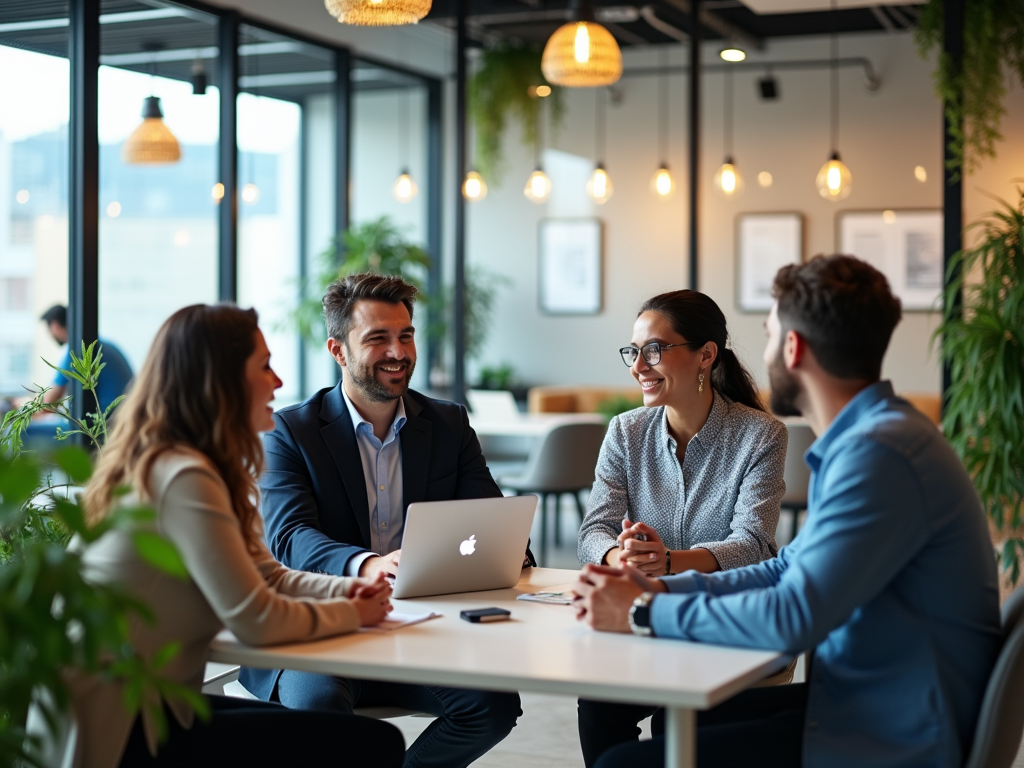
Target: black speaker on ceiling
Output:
[(769, 88)]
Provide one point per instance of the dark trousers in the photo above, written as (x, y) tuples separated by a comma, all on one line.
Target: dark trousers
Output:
[(468, 722), (762, 727), (257, 734)]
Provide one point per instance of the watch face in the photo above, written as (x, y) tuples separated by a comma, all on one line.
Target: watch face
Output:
[(642, 616)]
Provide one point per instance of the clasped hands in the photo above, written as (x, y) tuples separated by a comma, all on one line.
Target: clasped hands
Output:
[(640, 546), (371, 597), (603, 595)]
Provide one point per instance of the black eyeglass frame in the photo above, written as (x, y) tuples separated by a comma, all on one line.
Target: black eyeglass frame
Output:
[(655, 347)]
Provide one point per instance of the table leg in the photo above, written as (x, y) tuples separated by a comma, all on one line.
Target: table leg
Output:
[(680, 738)]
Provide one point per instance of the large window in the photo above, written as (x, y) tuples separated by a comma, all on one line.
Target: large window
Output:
[(287, 188), (158, 220), (34, 108)]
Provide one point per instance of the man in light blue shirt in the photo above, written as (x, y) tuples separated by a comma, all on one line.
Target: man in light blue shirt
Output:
[(892, 581)]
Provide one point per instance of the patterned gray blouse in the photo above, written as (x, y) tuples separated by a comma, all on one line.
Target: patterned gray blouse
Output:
[(723, 497)]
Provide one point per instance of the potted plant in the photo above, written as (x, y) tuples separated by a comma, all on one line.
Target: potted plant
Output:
[(973, 92), (503, 86), (52, 620), (983, 343)]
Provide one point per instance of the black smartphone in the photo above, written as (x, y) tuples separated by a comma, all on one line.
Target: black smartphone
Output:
[(481, 615)]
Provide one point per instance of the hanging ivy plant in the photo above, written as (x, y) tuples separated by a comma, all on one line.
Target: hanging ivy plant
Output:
[(973, 93), (504, 86)]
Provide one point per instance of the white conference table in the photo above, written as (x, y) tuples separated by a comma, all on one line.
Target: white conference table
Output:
[(541, 649)]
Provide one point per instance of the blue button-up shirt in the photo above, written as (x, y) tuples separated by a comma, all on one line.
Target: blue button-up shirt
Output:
[(892, 580), (382, 470)]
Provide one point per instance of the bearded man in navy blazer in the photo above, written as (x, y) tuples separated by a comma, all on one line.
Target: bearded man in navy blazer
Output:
[(341, 469)]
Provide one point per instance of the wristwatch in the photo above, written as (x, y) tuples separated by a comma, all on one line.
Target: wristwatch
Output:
[(640, 615)]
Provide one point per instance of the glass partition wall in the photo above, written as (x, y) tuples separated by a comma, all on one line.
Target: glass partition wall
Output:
[(157, 212), (33, 187), (286, 119), (320, 139)]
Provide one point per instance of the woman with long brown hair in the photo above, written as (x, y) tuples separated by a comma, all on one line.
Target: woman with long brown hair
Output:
[(186, 442)]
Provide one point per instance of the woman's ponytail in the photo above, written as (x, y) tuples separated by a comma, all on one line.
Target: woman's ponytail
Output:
[(732, 379)]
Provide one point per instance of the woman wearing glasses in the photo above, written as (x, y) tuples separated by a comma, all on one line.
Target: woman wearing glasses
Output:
[(691, 481)]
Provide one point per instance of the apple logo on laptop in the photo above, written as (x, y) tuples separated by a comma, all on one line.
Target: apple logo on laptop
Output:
[(468, 547)]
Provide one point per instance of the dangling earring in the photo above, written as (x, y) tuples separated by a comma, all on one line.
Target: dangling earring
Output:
[(700, 379)]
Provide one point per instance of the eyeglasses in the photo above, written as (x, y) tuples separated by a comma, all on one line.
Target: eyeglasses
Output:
[(651, 352)]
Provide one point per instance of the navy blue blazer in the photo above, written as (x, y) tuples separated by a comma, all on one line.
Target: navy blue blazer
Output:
[(315, 511)]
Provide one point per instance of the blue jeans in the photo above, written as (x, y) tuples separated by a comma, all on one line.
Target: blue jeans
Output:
[(468, 722)]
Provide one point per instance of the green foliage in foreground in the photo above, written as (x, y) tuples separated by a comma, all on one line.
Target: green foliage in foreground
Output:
[(983, 343), (53, 622)]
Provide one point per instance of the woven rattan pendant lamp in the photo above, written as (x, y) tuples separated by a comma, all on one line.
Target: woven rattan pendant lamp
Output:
[(378, 13), (152, 142), (582, 53)]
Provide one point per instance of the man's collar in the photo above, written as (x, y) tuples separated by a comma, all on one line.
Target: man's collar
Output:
[(863, 401), (357, 418)]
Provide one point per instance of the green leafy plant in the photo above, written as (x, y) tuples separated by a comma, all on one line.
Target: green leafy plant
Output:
[(983, 343), (497, 376), (503, 86), (380, 246), (376, 246), (613, 406), (53, 622), (973, 93)]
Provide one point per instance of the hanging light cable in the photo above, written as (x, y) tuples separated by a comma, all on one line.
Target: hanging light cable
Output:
[(834, 180), (582, 53), (728, 180), (152, 143), (404, 188), (662, 183), (599, 187), (538, 186)]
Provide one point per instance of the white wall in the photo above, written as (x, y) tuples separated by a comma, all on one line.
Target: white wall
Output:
[(884, 135)]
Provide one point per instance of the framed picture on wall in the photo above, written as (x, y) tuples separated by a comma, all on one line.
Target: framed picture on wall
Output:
[(905, 246), (764, 243), (570, 256)]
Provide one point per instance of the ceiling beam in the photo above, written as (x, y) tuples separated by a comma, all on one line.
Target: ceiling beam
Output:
[(717, 24)]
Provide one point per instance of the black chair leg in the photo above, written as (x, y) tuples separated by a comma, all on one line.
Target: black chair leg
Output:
[(543, 530), (557, 519), (579, 506)]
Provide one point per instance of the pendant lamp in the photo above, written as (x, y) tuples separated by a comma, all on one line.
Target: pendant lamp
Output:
[(404, 188), (599, 187), (663, 186), (834, 180), (728, 180), (152, 142), (378, 13), (582, 53), (474, 188), (538, 186)]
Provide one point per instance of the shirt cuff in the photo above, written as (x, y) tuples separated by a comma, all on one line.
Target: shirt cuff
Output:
[(681, 583), (729, 554), (356, 562)]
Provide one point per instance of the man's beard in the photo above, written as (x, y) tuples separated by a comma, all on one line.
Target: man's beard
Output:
[(786, 389), (366, 381)]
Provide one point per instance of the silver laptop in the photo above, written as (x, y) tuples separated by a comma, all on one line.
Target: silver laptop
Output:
[(464, 546)]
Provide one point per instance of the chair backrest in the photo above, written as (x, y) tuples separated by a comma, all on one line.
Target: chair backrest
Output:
[(493, 405), (565, 458), (1001, 721), (797, 474)]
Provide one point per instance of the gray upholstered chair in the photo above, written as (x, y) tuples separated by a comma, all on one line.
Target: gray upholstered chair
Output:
[(997, 738), (562, 462), (797, 474)]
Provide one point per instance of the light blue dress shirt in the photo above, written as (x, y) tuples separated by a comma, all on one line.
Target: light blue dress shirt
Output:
[(382, 470), (892, 580)]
